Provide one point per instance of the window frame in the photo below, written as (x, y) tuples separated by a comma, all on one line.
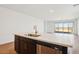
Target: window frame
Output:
[(63, 27)]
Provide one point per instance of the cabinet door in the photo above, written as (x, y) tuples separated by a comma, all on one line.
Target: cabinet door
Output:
[(47, 50), (27, 46), (31, 46), (24, 45)]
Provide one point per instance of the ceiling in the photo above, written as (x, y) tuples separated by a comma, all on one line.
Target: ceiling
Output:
[(46, 11)]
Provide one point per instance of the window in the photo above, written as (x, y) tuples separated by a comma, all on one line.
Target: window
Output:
[(64, 27)]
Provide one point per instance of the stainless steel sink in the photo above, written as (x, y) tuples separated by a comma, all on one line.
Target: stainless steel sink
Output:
[(34, 35)]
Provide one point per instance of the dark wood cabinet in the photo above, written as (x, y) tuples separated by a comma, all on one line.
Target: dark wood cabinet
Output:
[(41, 49), (17, 43), (25, 45)]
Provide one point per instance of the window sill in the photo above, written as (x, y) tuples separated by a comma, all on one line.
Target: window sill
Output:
[(62, 32)]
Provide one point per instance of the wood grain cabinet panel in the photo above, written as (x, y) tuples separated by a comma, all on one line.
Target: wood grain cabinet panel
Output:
[(47, 50), (17, 44), (25, 45)]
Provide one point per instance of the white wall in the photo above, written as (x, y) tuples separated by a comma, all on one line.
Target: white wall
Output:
[(12, 21), (49, 26), (78, 25), (76, 40)]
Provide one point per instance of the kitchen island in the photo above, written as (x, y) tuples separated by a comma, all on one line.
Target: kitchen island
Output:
[(43, 44)]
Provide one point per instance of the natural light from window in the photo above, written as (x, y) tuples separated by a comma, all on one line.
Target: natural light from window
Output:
[(64, 27)]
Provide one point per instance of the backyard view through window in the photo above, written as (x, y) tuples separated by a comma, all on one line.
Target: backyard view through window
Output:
[(64, 27)]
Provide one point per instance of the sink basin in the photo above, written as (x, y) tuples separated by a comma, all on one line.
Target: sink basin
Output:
[(34, 35)]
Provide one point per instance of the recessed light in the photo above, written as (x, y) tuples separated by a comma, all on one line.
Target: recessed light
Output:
[(51, 11)]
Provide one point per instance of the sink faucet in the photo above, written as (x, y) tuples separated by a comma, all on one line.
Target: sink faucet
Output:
[(35, 29)]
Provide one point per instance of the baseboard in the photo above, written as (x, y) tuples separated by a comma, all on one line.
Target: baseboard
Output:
[(6, 43)]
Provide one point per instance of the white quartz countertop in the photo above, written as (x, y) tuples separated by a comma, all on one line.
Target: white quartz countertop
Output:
[(58, 39)]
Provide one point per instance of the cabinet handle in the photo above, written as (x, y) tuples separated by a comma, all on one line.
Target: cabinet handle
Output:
[(56, 48)]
